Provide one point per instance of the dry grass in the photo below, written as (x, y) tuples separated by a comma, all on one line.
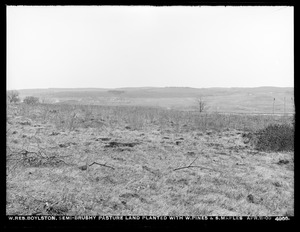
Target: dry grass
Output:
[(144, 146)]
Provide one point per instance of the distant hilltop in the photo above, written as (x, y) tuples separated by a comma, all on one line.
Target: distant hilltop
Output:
[(245, 100), (155, 89)]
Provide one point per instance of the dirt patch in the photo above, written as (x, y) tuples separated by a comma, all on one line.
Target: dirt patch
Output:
[(121, 144)]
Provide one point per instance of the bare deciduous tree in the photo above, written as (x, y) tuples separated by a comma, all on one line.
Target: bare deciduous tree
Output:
[(202, 106)]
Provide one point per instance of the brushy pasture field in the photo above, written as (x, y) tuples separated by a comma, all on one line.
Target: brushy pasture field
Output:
[(104, 160)]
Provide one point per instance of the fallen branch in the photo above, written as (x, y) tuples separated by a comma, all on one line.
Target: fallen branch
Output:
[(195, 166), (150, 170), (101, 165), (8, 130), (193, 162), (60, 160), (186, 166)]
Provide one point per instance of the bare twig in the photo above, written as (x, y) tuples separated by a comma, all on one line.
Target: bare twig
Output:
[(193, 161), (101, 165), (190, 165), (61, 161), (196, 166), (7, 130)]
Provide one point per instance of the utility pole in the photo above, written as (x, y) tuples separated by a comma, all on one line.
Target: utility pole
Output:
[(273, 105)]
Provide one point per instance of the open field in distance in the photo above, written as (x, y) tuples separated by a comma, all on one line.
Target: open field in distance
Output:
[(242, 100)]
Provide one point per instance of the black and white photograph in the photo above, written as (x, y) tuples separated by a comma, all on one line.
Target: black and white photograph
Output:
[(147, 111)]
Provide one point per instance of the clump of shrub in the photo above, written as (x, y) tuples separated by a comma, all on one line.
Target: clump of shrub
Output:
[(31, 100), (275, 137), (13, 96)]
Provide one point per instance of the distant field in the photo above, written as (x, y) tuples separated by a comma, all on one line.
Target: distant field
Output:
[(130, 160), (243, 100)]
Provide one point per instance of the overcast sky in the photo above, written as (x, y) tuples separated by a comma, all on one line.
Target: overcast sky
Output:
[(131, 46)]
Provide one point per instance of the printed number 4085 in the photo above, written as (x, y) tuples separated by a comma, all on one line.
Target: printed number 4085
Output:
[(281, 219)]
